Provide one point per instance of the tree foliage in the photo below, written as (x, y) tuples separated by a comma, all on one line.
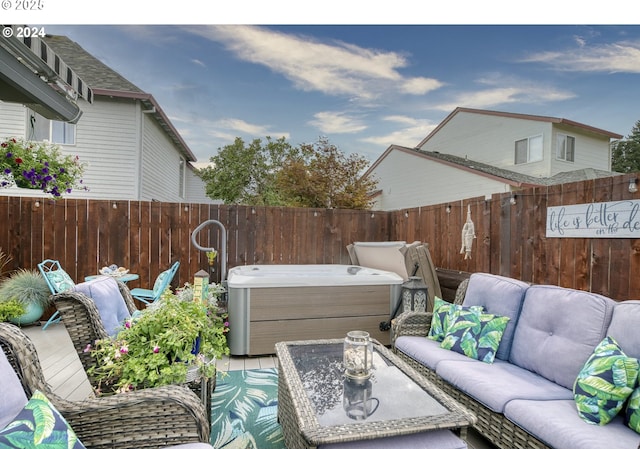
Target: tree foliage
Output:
[(278, 174), (625, 154)]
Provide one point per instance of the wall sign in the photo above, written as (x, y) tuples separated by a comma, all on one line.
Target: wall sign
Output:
[(614, 219)]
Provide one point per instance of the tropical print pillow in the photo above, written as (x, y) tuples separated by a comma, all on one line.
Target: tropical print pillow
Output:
[(443, 313), (475, 334), (632, 413), (39, 424), (60, 280), (604, 383)]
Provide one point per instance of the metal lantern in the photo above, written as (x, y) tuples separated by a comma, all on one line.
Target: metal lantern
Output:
[(358, 356), (414, 294), (201, 286)]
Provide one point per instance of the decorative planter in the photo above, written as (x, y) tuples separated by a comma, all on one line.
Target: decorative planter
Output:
[(33, 313)]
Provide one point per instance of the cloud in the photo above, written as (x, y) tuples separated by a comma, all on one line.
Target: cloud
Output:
[(411, 134), (496, 89), (420, 85), (337, 123), (623, 56), (198, 62), (335, 68)]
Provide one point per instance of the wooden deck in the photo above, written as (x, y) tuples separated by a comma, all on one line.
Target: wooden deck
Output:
[(67, 378)]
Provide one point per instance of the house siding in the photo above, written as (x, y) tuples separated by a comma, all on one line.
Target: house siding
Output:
[(196, 189), (424, 174), (491, 139), (591, 151), (160, 165), (106, 138), (12, 120)]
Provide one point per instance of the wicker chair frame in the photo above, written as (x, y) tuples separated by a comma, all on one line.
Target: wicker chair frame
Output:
[(82, 320), (143, 419), (495, 427)]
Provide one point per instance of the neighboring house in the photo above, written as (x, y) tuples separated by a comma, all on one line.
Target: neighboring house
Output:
[(132, 150), (476, 152)]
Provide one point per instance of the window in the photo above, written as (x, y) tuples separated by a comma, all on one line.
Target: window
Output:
[(40, 128), (181, 179), (565, 148), (528, 150)]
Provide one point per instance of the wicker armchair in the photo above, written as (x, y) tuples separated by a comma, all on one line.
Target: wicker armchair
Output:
[(82, 320), (150, 418)]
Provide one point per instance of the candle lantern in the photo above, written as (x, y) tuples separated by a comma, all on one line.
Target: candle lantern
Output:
[(414, 294), (358, 356), (201, 286)]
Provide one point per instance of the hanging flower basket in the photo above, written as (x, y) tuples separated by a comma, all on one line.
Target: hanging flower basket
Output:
[(39, 166)]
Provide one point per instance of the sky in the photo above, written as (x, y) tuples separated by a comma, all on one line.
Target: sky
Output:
[(363, 86)]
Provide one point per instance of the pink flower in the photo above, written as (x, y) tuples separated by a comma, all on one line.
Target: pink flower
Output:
[(87, 348), (127, 324), (156, 349), (124, 349)]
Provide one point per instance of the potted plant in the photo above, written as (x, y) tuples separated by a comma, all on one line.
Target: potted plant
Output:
[(11, 310), (30, 289), (39, 165), (161, 344)]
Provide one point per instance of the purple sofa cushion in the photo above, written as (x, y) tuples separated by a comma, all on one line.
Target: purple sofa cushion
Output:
[(558, 330), (557, 424), (624, 327), (501, 296), (13, 396), (494, 385)]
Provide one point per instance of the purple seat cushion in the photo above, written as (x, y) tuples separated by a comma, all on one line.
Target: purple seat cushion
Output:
[(557, 424), (494, 385), (428, 352)]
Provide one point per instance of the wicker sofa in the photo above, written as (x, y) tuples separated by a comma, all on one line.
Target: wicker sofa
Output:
[(524, 399)]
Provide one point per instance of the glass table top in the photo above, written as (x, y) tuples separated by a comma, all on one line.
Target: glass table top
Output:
[(389, 394)]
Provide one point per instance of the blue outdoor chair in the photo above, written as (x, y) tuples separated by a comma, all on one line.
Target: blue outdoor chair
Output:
[(58, 281), (163, 280)]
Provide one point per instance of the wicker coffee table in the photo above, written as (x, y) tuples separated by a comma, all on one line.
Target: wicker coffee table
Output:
[(317, 405)]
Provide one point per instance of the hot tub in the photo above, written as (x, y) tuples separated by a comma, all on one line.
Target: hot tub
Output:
[(272, 303)]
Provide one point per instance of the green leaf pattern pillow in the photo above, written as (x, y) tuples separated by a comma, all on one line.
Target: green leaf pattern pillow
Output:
[(604, 383), (632, 413), (443, 312), (39, 424), (475, 334)]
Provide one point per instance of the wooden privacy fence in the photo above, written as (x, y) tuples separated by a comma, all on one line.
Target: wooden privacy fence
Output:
[(147, 237), (511, 238)]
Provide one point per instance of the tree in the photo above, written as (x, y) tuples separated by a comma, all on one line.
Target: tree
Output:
[(625, 154), (244, 174), (277, 174), (327, 179)]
